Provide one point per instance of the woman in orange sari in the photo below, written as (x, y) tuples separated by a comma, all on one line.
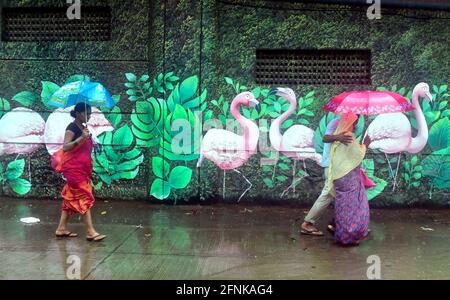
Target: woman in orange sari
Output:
[(75, 162)]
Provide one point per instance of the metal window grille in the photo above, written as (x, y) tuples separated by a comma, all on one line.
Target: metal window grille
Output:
[(52, 24), (313, 67)]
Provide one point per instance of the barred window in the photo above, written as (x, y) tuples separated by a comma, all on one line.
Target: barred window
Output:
[(314, 67), (22, 24)]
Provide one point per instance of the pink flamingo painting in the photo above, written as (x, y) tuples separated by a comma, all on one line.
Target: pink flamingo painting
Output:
[(297, 141), (228, 150), (21, 131), (58, 120), (391, 133)]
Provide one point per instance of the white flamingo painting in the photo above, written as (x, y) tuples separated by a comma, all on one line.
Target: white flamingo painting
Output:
[(21, 131), (391, 133), (228, 150), (297, 141)]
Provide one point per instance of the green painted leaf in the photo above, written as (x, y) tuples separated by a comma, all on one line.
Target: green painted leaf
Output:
[(105, 178), (15, 169), (439, 136), (169, 86), (431, 116), (360, 126), (188, 88), (25, 98), (268, 182), (148, 121), (160, 167), (256, 92), (418, 169), (414, 160), (417, 175), (281, 178), (437, 167), (208, 115), (283, 166), (180, 177), (376, 190), (48, 89), (406, 176), (128, 175), (407, 165), (131, 92), (115, 116), (369, 167), (131, 77), (277, 107), (229, 80), (416, 183), (442, 105), (20, 186), (4, 106), (225, 108), (144, 78), (303, 121), (168, 75), (160, 189), (123, 137), (287, 123), (443, 88)]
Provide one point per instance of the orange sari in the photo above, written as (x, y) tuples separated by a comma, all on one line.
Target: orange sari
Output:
[(76, 166)]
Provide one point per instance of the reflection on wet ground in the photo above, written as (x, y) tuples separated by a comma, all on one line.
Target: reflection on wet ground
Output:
[(216, 242)]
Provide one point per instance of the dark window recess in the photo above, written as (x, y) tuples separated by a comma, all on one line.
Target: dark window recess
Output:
[(52, 24), (314, 67)]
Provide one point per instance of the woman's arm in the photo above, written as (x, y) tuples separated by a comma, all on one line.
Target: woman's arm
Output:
[(345, 138), (68, 144)]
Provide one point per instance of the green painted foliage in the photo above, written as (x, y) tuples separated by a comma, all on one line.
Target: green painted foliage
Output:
[(148, 121), (167, 179), (369, 167), (4, 106), (11, 176), (48, 89), (25, 98), (439, 136), (117, 160), (413, 172), (437, 167)]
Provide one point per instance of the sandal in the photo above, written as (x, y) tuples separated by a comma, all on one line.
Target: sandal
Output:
[(66, 234), (314, 231), (96, 238)]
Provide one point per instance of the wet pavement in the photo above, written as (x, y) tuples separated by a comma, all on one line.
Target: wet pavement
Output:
[(217, 242)]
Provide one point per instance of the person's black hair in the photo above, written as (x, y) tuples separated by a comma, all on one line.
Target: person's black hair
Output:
[(80, 107)]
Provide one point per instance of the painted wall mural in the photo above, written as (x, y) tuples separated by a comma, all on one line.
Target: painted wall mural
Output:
[(178, 130)]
